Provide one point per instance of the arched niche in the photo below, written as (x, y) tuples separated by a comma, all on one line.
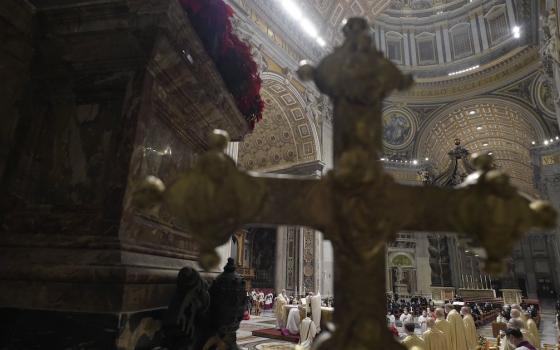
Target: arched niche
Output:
[(401, 259)]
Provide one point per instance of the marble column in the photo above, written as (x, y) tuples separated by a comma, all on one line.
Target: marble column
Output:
[(327, 272), (447, 44), (413, 54), (376, 37), (474, 31), (483, 33), (423, 270), (224, 251), (511, 14), (406, 46), (281, 258), (439, 44)]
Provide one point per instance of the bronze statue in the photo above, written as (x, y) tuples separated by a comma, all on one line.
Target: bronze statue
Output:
[(357, 206)]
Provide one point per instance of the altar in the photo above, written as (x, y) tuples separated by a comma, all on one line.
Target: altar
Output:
[(326, 314)]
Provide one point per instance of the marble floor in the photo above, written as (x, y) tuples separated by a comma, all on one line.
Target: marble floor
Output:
[(247, 341)]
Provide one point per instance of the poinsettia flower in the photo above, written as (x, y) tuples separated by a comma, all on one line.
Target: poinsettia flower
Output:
[(212, 21)]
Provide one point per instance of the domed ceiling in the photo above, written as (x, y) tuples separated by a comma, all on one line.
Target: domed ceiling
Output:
[(476, 64)]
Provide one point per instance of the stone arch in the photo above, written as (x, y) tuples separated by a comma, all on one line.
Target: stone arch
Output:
[(486, 124), (286, 136)]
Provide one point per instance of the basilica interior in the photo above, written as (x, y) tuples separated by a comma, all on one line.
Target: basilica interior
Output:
[(99, 94)]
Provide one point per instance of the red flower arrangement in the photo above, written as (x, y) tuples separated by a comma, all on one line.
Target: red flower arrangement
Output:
[(212, 21)]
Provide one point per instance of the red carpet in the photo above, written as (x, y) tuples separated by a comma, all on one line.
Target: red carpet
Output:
[(274, 333)]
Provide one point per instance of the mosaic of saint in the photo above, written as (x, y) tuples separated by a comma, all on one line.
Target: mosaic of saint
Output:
[(397, 129)]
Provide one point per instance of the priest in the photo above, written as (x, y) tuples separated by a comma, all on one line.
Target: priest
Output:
[(434, 339), (412, 340), (307, 332), (458, 339), (470, 328), (294, 320), (315, 304), (442, 325), (279, 310)]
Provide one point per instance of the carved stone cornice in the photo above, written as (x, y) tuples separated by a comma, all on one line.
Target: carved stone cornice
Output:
[(280, 22), (312, 168), (511, 67)]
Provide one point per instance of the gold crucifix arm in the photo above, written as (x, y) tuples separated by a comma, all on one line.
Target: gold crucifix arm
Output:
[(214, 198), (486, 206)]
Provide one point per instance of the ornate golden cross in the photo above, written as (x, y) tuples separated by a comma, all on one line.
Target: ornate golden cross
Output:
[(357, 206)]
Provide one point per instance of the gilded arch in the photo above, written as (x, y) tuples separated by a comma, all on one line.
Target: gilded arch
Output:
[(286, 136)]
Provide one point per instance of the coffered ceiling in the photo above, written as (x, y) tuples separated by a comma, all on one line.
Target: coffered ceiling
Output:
[(333, 12), (503, 129)]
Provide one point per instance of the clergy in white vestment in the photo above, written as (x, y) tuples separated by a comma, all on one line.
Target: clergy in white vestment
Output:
[(519, 313), (279, 311), (516, 313), (294, 320), (517, 323), (434, 339), (442, 325), (458, 339), (412, 340), (534, 330), (316, 310), (390, 318), (470, 328), (422, 321), (307, 332)]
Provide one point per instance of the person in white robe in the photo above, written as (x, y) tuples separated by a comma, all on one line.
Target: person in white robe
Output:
[(307, 332), (470, 328), (422, 319), (434, 339), (279, 311), (406, 317), (293, 322), (268, 301), (458, 339), (315, 303), (390, 318)]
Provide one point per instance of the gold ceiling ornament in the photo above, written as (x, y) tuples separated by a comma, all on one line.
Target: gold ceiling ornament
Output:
[(357, 206)]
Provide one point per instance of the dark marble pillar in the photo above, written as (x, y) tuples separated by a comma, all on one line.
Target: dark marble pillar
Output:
[(100, 94)]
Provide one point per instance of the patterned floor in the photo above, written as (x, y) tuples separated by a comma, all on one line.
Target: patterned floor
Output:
[(247, 341)]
